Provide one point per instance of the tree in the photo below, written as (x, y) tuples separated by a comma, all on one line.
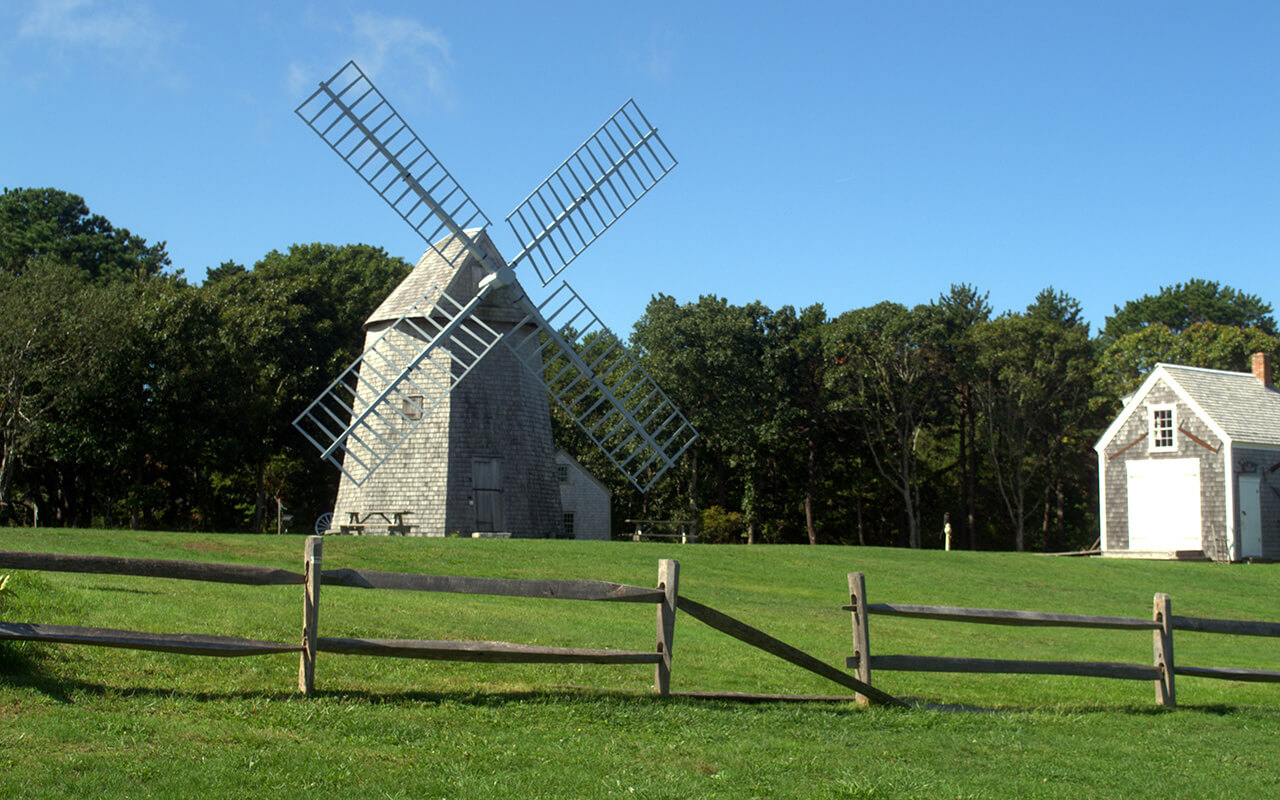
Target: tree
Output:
[(883, 373), (54, 329), (794, 386), (706, 356), (288, 328), (1182, 305), (57, 226), (1124, 364), (955, 314), (1034, 390)]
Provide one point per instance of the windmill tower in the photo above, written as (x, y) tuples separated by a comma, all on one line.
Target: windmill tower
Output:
[(434, 419)]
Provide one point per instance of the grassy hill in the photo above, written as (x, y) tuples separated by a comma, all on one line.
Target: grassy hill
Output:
[(77, 721)]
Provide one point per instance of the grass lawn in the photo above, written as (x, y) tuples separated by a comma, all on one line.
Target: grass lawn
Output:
[(100, 722)]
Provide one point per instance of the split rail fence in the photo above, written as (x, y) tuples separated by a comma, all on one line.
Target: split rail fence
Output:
[(1162, 624), (665, 596)]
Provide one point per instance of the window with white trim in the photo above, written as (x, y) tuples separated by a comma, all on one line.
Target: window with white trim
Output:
[(1160, 427)]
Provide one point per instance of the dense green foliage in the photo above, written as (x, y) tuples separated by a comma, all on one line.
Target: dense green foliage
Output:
[(130, 397), (1183, 305), (883, 424), (102, 722)]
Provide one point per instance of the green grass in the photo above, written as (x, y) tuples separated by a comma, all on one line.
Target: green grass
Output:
[(81, 721)]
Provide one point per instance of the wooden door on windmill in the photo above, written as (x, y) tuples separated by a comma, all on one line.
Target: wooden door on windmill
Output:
[(486, 486)]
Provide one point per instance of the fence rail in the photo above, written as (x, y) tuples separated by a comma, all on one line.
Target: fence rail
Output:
[(150, 568), (188, 643), (599, 591), (665, 598), (999, 616), (1162, 625)]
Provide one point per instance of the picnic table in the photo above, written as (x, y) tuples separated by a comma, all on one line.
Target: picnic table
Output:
[(357, 521), (650, 529)]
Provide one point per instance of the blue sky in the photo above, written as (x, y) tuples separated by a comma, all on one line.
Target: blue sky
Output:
[(842, 153)]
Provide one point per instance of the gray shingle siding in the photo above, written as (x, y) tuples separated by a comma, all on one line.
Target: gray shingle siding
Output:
[(587, 498), (1115, 471), (1262, 459), (499, 412), (1219, 415)]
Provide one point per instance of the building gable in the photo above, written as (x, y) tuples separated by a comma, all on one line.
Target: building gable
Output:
[(1139, 401)]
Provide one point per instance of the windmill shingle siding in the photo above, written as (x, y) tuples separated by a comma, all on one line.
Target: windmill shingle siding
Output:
[(498, 412)]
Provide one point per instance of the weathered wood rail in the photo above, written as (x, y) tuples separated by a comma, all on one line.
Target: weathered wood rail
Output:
[(1162, 624), (665, 597)]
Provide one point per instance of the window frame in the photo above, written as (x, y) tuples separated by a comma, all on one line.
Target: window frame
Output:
[(412, 407), (1154, 431)]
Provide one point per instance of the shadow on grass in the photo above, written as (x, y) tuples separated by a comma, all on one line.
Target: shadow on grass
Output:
[(26, 664), (120, 589), (29, 666)]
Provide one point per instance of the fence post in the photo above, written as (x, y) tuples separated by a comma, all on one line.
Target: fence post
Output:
[(669, 582), (310, 615), (1162, 644), (861, 637)]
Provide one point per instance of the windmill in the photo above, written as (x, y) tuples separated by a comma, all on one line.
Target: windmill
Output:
[(444, 323)]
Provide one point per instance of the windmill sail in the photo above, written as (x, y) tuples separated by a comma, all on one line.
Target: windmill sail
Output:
[(373, 407), (614, 168), (602, 387), (378, 401), (358, 123)]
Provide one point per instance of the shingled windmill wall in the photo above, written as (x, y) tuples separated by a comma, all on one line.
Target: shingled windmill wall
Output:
[(499, 412)]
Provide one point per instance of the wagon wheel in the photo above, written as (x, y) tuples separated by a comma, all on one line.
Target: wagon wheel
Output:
[(322, 522)]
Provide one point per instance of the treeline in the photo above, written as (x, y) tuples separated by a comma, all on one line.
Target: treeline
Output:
[(131, 397), (881, 424)]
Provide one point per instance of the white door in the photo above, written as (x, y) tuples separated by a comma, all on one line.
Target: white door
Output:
[(1164, 504), (1250, 517)]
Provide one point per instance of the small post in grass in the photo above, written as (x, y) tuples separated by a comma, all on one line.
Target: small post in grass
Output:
[(1162, 644), (310, 615), (861, 636), (669, 583)]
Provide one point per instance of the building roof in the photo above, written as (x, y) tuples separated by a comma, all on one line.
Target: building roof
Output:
[(1246, 410), (434, 274), (1236, 404), (561, 454)]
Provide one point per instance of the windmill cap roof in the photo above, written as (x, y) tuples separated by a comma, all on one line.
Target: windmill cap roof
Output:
[(435, 273)]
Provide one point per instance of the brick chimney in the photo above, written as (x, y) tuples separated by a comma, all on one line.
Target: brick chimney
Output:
[(1262, 368)]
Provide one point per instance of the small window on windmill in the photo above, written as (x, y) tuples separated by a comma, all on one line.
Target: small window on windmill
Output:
[(411, 406), (568, 524), (562, 473)]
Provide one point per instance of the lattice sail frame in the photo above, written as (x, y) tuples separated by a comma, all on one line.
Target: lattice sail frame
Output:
[(356, 121), (437, 342), (601, 386), (385, 394), (595, 186)]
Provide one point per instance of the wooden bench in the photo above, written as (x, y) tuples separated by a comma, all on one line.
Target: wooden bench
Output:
[(394, 520), (673, 529)]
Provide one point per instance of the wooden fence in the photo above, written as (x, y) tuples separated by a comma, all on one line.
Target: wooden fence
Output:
[(1162, 624), (665, 596)]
